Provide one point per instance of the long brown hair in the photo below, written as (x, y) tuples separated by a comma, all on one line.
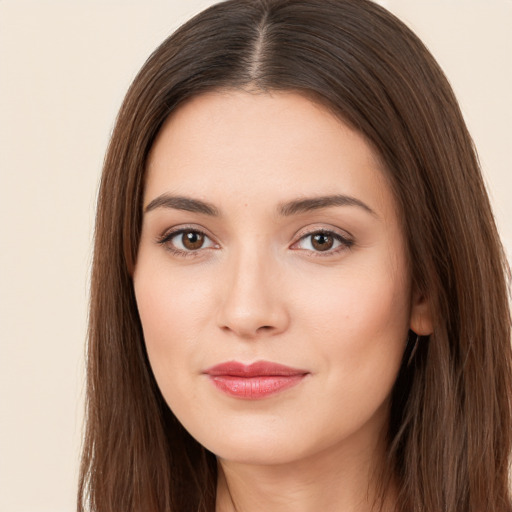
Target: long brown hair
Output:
[(449, 437)]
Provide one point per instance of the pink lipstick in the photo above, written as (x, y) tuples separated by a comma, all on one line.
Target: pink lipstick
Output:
[(254, 381)]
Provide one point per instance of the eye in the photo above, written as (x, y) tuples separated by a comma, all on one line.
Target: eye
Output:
[(186, 241), (323, 241)]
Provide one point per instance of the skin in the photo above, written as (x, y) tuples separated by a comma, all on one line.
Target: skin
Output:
[(258, 289)]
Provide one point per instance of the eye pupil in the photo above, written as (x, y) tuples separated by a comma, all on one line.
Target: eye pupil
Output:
[(192, 240), (322, 241)]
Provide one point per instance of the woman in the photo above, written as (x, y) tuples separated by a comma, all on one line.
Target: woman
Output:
[(299, 297)]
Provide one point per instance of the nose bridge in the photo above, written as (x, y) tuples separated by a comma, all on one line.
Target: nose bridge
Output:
[(252, 304)]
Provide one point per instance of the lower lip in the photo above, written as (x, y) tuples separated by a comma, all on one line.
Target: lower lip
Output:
[(254, 388)]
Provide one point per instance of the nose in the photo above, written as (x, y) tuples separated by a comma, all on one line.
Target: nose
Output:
[(253, 302)]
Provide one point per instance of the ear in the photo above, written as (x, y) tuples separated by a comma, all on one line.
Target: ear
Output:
[(421, 315)]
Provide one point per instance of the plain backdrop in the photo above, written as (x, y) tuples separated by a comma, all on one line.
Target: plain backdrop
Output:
[(64, 68)]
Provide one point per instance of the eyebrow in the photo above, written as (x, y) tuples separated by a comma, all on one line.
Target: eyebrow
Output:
[(316, 203), (182, 203), (287, 209)]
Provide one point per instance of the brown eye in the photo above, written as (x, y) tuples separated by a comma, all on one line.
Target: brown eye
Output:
[(184, 242), (192, 240), (322, 241), (326, 242)]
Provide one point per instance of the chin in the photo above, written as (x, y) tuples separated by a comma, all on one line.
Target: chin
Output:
[(258, 453), (253, 444)]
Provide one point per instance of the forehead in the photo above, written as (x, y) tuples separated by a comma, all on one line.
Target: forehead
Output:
[(240, 145)]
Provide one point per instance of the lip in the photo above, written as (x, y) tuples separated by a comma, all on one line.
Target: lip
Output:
[(254, 381)]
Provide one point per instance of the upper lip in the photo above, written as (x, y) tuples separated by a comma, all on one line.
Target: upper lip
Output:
[(257, 369)]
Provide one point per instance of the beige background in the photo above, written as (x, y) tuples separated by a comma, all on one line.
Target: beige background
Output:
[(64, 67)]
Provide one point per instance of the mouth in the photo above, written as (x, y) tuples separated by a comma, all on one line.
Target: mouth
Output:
[(255, 381)]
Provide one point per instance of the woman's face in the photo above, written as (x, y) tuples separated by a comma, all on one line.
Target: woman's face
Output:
[(271, 236)]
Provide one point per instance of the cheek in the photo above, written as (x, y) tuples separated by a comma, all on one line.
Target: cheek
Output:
[(162, 303), (371, 296), (362, 310), (172, 312), (359, 322)]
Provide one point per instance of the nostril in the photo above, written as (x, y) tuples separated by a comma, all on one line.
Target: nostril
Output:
[(265, 328)]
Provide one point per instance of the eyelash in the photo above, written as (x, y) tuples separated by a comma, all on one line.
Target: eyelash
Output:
[(344, 241), (167, 237), (165, 240)]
